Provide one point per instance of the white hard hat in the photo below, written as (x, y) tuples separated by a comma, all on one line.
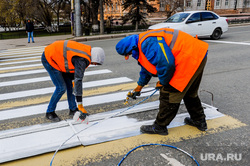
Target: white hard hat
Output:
[(97, 55)]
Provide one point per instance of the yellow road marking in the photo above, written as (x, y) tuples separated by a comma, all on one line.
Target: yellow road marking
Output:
[(20, 60), (20, 69), (120, 147), (43, 99)]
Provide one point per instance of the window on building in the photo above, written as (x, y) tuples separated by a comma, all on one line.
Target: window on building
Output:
[(226, 2), (199, 3), (161, 4), (247, 3), (217, 3), (188, 3)]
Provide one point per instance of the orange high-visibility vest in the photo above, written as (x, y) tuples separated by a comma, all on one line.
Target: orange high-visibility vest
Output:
[(187, 50), (60, 53)]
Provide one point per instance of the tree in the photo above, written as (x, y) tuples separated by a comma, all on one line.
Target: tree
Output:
[(56, 6), (91, 10), (42, 13), (21, 8), (172, 6), (137, 11), (13, 13)]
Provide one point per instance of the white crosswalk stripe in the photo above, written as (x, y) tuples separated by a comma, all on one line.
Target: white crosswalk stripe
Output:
[(47, 78), (42, 91), (20, 73), (14, 58), (41, 108), (14, 63), (16, 112)]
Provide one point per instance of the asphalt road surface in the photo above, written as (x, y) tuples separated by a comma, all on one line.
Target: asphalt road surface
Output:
[(226, 78)]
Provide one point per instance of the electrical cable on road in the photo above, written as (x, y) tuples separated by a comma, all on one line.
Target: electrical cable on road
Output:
[(170, 146), (98, 122)]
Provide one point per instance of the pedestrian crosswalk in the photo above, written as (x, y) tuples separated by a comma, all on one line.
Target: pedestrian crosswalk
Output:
[(20, 68), (26, 88), (9, 83)]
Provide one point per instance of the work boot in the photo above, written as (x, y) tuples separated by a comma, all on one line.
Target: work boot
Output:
[(200, 124), (52, 116), (72, 112), (154, 129)]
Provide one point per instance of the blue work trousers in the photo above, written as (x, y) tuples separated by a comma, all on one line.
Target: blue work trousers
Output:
[(62, 84)]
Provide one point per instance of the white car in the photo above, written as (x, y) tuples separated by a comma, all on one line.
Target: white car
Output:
[(200, 23)]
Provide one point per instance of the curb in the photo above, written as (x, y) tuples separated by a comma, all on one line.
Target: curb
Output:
[(100, 37)]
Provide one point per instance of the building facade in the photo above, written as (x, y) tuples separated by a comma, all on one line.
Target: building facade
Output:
[(115, 11)]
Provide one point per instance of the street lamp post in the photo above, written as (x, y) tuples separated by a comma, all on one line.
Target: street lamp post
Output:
[(184, 5), (78, 26)]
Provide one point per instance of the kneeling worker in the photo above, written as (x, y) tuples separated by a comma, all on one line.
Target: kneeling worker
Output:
[(65, 61), (178, 60)]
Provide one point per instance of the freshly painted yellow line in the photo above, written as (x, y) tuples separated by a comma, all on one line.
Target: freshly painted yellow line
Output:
[(43, 99), (120, 147), (20, 60), (22, 69)]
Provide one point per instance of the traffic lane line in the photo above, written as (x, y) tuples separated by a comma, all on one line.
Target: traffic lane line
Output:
[(117, 148), (228, 42)]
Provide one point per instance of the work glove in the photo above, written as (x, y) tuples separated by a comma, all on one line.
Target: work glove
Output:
[(81, 115), (158, 85), (135, 92)]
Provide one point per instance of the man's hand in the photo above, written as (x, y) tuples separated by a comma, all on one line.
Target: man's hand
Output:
[(158, 85), (135, 92), (81, 115)]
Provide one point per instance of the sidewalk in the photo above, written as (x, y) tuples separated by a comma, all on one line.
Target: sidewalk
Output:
[(23, 42), (44, 41)]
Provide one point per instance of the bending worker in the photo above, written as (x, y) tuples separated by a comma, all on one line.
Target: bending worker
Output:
[(65, 61), (178, 59)]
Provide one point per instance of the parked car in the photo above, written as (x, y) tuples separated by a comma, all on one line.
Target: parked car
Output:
[(200, 23)]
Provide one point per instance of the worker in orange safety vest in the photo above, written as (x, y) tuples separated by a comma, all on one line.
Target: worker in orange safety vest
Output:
[(65, 61), (178, 60)]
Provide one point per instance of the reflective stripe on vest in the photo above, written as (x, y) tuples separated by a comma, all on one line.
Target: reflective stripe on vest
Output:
[(142, 58), (65, 49), (59, 54), (188, 53), (175, 35)]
